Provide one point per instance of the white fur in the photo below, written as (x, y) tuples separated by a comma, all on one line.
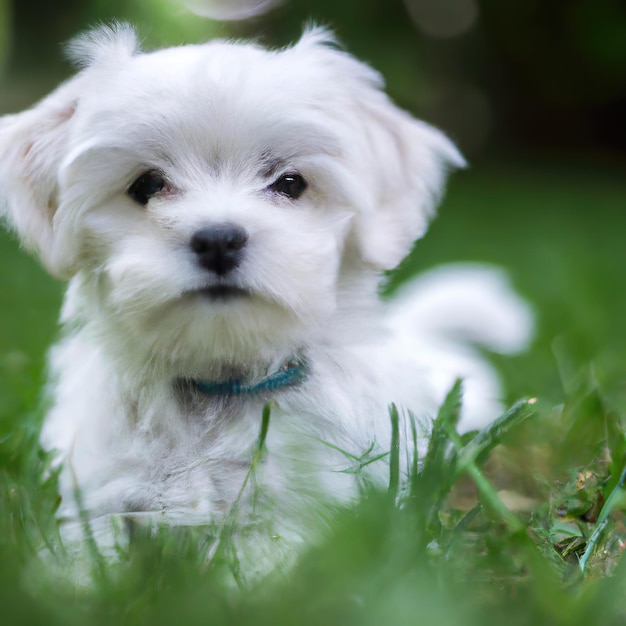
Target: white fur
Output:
[(212, 117)]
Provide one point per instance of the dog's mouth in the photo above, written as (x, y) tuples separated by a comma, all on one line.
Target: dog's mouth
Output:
[(223, 292)]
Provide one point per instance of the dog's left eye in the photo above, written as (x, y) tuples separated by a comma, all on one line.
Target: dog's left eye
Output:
[(146, 186), (290, 185)]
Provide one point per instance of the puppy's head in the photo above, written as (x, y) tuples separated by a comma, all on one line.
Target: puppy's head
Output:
[(208, 197)]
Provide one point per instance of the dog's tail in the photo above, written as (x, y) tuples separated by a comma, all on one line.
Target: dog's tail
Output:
[(466, 303), (448, 312)]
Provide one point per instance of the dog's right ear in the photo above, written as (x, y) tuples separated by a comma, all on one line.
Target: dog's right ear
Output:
[(33, 146)]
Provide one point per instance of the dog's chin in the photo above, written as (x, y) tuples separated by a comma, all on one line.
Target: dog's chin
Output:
[(224, 324), (207, 324)]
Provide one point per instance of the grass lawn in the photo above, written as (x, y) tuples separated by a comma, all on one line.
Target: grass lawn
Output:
[(522, 524)]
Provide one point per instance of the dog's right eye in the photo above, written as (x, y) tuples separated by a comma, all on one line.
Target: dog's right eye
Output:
[(146, 186)]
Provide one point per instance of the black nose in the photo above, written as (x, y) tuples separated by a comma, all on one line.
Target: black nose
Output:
[(219, 249)]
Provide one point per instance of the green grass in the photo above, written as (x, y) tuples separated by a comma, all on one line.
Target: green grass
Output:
[(520, 524)]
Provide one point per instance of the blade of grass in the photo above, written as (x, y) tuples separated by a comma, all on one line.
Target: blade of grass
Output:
[(444, 426), (394, 459), (491, 436), (490, 498), (99, 572), (345, 453), (614, 498), (466, 458), (229, 521)]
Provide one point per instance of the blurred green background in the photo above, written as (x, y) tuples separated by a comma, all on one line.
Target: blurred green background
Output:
[(532, 91)]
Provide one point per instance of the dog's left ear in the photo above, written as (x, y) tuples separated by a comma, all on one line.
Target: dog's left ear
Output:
[(405, 163), (399, 163)]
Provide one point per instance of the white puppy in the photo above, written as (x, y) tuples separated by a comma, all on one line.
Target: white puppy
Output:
[(224, 214)]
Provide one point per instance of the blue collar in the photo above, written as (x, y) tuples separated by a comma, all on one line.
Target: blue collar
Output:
[(291, 373)]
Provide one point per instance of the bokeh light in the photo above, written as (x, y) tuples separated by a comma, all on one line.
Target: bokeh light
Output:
[(443, 18), (230, 9)]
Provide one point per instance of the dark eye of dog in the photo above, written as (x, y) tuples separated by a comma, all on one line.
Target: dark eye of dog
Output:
[(290, 185), (146, 186)]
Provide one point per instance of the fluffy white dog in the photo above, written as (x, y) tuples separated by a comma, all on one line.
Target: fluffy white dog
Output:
[(224, 214)]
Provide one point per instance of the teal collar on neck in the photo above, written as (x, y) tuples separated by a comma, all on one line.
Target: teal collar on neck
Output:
[(291, 373)]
